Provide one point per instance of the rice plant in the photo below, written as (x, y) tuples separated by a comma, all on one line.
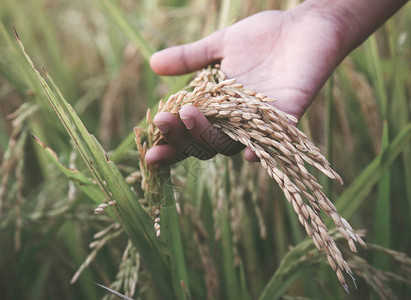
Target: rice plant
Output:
[(78, 208)]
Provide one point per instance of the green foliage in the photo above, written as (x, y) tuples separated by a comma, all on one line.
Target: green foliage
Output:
[(226, 231)]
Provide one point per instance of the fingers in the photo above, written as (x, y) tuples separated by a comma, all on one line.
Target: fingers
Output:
[(189, 57), (194, 135), (161, 154), (204, 133), (174, 133), (172, 129), (250, 155), (180, 144)]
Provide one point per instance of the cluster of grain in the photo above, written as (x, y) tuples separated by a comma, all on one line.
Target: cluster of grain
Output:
[(247, 117)]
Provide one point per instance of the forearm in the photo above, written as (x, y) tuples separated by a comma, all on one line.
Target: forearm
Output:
[(357, 19)]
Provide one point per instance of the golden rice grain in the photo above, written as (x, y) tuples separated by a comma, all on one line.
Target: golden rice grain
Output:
[(249, 118)]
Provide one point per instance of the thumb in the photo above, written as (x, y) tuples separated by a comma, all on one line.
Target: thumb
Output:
[(189, 57)]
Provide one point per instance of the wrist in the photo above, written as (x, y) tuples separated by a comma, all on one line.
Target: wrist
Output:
[(354, 20)]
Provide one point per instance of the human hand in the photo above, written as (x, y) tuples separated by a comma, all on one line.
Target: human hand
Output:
[(286, 55)]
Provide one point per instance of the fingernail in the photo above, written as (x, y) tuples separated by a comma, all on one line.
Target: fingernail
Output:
[(163, 127), (188, 122)]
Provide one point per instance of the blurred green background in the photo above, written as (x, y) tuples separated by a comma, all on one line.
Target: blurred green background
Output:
[(97, 51)]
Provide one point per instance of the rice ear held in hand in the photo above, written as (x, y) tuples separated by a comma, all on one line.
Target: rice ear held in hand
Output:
[(247, 117)]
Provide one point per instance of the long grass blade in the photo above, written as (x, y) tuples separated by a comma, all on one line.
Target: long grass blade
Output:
[(230, 276), (80, 180), (354, 196), (171, 234), (128, 212), (290, 268), (113, 10), (399, 112), (383, 208)]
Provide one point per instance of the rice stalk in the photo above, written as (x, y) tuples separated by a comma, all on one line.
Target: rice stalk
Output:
[(251, 187), (247, 117), (235, 212), (367, 100), (12, 155), (113, 10), (341, 115), (113, 186), (128, 273), (399, 110), (159, 194), (292, 264), (20, 196), (223, 193), (383, 203), (379, 279), (305, 255), (201, 240), (101, 239), (354, 196)]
